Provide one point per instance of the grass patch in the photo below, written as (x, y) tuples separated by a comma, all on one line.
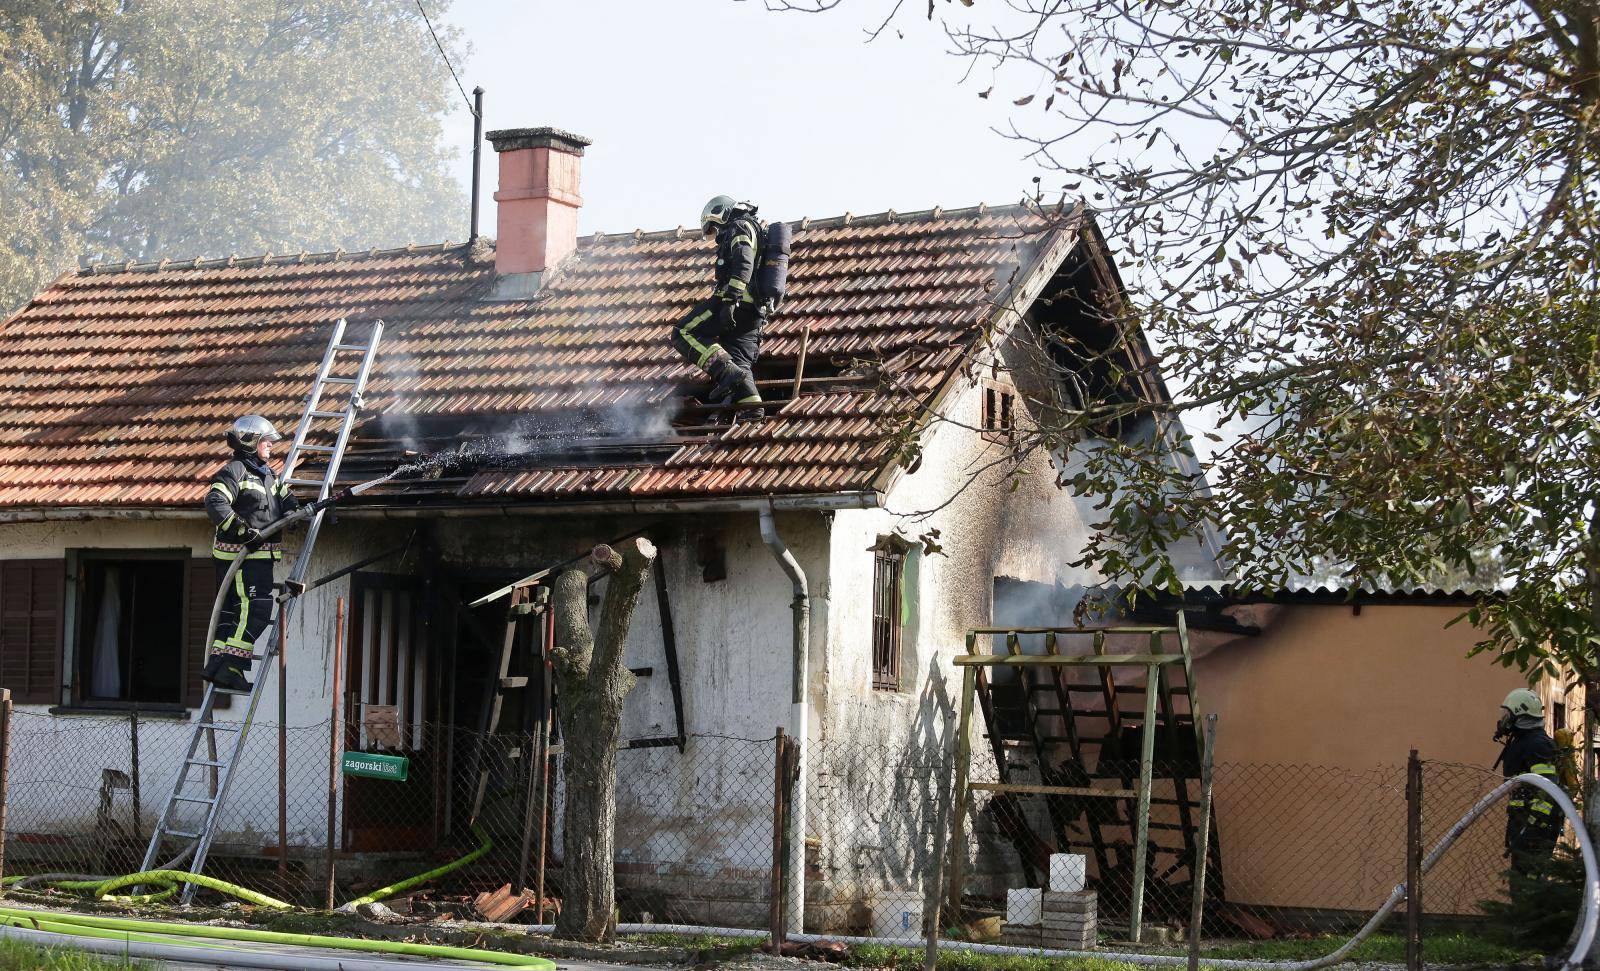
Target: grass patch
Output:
[(22, 956), (1436, 949), (910, 959), (702, 948)]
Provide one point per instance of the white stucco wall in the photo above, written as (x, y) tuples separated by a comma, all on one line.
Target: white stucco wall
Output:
[(705, 811)]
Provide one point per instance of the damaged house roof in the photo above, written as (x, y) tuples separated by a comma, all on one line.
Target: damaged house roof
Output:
[(118, 381)]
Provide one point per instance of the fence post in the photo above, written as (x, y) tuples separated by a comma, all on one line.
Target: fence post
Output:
[(958, 807), (335, 736), (780, 844), (133, 757), (935, 891), (5, 770), (1413, 863), (1202, 846)]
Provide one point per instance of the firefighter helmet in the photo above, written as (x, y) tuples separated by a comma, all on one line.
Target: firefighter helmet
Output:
[(250, 431), (1523, 703), (716, 213)]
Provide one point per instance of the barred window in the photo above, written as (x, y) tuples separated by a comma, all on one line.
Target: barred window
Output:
[(888, 567), (999, 411)]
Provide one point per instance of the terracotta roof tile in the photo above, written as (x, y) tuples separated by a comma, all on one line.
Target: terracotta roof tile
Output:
[(116, 383)]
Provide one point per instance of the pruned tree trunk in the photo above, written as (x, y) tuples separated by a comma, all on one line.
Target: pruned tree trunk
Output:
[(593, 684)]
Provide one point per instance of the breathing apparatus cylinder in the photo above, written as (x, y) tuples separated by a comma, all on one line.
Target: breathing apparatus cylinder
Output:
[(772, 276)]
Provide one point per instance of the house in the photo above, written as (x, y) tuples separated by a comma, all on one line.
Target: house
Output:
[(892, 377)]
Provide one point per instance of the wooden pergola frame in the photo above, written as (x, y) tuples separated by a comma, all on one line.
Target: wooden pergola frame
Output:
[(1152, 661)]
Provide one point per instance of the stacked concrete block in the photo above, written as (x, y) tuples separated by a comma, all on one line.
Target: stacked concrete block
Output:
[(1068, 872), (1024, 907), (1069, 920)]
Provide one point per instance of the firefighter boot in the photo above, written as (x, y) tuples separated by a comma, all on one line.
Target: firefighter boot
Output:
[(227, 673), (748, 401), (727, 377)]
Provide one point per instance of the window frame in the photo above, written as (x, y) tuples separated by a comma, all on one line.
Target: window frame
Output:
[(888, 554), (77, 623), (998, 411)]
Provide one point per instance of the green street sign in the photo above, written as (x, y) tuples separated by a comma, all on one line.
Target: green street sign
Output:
[(370, 765)]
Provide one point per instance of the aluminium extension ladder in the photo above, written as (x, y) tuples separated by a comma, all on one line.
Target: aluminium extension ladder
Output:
[(218, 772)]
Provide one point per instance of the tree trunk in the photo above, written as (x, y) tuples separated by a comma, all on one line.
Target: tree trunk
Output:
[(1591, 699), (593, 683)]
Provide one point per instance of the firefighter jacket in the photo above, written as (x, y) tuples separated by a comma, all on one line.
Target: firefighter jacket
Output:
[(738, 255), (1532, 817), (246, 493)]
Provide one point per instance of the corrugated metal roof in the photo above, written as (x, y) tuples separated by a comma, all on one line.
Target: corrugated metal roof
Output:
[(117, 382), (1308, 592)]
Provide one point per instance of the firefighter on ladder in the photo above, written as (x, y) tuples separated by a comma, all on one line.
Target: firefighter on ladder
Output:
[(1533, 821), (245, 496)]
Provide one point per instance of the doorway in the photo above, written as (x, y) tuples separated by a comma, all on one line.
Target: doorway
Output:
[(391, 707)]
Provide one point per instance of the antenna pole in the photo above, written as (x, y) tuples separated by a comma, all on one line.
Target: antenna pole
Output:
[(477, 156)]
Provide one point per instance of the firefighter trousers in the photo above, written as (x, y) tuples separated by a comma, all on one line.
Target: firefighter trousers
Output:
[(699, 333), (246, 608)]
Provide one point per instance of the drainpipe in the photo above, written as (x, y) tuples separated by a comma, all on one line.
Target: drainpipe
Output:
[(795, 892)]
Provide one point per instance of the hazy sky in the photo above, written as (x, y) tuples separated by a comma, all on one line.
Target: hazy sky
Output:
[(685, 99)]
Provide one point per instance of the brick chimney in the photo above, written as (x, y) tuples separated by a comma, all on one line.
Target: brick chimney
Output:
[(537, 206)]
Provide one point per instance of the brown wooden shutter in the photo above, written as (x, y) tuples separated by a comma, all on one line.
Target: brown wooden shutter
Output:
[(32, 599), (198, 598)]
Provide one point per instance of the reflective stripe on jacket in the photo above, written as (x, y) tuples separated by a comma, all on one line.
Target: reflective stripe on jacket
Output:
[(738, 252), (246, 493)]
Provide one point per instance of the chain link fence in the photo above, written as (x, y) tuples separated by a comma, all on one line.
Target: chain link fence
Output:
[(1297, 850)]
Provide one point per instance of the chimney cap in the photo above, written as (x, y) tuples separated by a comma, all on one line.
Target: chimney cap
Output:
[(511, 139)]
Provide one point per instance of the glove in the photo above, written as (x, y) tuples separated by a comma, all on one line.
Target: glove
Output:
[(252, 536)]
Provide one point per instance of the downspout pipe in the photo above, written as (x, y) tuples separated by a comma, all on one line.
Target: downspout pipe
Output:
[(795, 891)]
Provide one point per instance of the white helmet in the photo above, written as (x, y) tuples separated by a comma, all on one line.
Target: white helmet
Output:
[(1521, 709), (716, 213), (249, 431)]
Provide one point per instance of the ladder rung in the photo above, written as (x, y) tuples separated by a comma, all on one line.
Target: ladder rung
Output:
[(204, 799), (217, 726), (316, 448), (338, 380), (308, 482), (181, 834), (208, 763), (351, 347), (327, 414)]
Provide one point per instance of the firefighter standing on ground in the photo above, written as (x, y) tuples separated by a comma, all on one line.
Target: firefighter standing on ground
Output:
[(245, 497), (722, 335), (1533, 821)]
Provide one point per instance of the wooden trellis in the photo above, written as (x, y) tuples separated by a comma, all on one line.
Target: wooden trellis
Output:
[(1094, 754)]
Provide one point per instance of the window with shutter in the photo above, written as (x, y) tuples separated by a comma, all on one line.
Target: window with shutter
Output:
[(32, 593)]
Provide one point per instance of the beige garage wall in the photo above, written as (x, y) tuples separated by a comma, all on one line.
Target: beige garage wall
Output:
[(1317, 715)]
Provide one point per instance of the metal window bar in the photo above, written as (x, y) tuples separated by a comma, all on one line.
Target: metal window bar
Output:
[(886, 572)]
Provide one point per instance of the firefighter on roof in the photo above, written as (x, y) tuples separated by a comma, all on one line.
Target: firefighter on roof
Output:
[(722, 334), (245, 496)]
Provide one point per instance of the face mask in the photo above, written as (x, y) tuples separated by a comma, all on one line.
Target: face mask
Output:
[(1502, 728)]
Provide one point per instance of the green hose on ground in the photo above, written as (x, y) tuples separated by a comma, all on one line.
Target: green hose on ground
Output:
[(46, 921), (84, 923), (169, 879), (485, 844), (102, 890), (72, 881)]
